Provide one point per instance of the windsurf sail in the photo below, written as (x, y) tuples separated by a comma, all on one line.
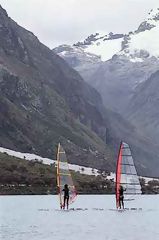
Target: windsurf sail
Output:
[(64, 177), (126, 175)]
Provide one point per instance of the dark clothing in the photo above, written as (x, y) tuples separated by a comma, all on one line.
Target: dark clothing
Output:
[(121, 202), (66, 201), (121, 192), (66, 197), (121, 197), (66, 192)]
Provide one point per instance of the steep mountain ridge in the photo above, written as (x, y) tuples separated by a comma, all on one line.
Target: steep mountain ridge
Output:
[(143, 110), (44, 101)]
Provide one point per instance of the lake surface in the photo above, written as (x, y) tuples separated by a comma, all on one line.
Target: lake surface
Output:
[(39, 218)]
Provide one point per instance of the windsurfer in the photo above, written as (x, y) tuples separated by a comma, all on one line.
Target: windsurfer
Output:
[(121, 196), (66, 196)]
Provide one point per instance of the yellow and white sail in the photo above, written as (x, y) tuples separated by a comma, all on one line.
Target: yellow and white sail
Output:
[(64, 176)]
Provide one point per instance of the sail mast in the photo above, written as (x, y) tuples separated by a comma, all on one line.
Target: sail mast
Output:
[(118, 174), (58, 174), (64, 176)]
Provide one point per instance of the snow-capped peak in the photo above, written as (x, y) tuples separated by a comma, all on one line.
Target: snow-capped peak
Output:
[(143, 43), (98, 36), (150, 22), (153, 15), (102, 46)]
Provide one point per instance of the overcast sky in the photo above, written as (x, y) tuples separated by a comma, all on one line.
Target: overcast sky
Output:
[(57, 22)]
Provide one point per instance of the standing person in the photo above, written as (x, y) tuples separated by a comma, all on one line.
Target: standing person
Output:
[(66, 196), (121, 196)]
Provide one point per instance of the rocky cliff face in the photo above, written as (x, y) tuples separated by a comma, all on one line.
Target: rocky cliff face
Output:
[(44, 101), (144, 111), (118, 78)]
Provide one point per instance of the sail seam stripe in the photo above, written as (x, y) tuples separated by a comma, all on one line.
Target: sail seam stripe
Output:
[(127, 164), (126, 155), (130, 174), (133, 184), (65, 174), (132, 193)]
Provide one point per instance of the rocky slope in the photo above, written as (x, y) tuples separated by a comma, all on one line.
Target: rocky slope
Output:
[(44, 101), (144, 111)]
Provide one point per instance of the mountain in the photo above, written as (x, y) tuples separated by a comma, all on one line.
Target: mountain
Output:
[(136, 45), (44, 101), (126, 60), (87, 56), (142, 43), (143, 110), (117, 67)]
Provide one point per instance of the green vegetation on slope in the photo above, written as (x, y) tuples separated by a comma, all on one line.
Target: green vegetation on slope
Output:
[(18, 176)]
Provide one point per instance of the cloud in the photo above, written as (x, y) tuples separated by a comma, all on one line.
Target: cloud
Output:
[(67, 21)]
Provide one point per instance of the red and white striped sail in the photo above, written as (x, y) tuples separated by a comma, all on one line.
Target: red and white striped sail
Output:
[(126, 174), (64, 177)]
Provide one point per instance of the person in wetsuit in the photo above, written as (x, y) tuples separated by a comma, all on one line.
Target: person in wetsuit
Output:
[(121, 197), (66, 196)]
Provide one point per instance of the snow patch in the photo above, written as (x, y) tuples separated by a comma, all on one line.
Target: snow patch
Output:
[(147, 41), (105, 49), (34, 157)]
